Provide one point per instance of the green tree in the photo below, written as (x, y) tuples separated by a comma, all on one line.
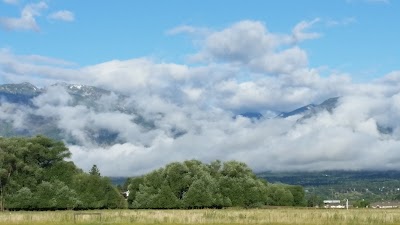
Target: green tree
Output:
[(24, 160), (166, 199), (48, 151), (66, 198), (133, 187), (236, 169), (178, 178), (314, 201), (22, 199), (92, 190), (199, 195), (64, 171), (145, 197), (94, 171), (240, 185), (361, 204), (282, 196), (215, 168), (45, 196), (298, 195), (35, 175), (192, 184)]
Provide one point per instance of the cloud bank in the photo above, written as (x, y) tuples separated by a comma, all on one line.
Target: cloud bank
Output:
[(192, 107)]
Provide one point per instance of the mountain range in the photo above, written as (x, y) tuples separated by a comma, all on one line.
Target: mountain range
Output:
[(27, 96)]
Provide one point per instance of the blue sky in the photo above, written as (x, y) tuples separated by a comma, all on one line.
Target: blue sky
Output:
[(357, 36)]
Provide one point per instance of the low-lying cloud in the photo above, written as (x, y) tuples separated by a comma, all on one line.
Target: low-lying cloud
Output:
[(191, 109)]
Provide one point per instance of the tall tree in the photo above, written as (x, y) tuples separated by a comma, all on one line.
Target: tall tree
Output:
[(202, 193), (94, 171)]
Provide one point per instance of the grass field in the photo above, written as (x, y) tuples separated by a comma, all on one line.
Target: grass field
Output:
[(280, 216)]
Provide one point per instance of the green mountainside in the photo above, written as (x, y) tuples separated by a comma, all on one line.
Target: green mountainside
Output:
[(353, 185)]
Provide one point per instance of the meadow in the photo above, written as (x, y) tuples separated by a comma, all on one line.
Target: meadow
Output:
[(275, 216)]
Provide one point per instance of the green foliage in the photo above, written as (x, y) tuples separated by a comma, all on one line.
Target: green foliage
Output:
[(23, 199), (63, 171), (178, 178), (314, 201), (281, 196), (34, 175), (361, 204), (201, 193), (97, 192), (133, 185), (370, 185), (192, 184), (94, 171), (165, 199), (298, 195)]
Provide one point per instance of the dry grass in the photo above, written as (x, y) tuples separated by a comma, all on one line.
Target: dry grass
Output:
[(279, 216)]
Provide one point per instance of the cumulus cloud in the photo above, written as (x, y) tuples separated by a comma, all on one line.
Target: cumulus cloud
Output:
[(240, 42), (172, 112), (27, 20), (63, 15), (249, 43)]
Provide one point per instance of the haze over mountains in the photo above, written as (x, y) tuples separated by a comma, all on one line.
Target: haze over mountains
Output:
[(125, 136)]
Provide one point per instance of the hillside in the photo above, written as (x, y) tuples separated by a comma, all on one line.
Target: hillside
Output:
[(354, 185)]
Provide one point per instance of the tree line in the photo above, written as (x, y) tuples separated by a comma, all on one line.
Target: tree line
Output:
[(35, 174), (193, 184)]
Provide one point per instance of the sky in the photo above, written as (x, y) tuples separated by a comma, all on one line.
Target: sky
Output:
[(200, 62)]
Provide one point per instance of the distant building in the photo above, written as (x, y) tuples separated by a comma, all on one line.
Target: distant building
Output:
[(386, 205), (333, 204)]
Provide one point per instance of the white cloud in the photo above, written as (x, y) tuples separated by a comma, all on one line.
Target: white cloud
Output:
[(250, 44), (240, 42), (186, 29), (27, 20), (36, 69), (63, 15), (200, 102), (300, 31), (346, 139)]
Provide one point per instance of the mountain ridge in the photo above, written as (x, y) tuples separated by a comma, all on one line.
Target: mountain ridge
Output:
[(23, 94)]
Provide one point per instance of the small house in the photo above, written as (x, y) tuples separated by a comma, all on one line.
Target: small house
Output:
[(333, 204)]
